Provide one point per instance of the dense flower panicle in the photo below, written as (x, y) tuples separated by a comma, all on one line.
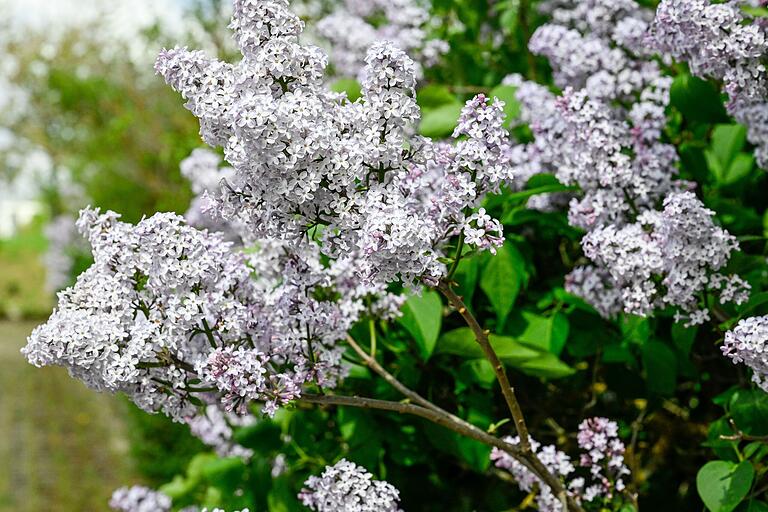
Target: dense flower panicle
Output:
[(654, 242), (146, 300), (165, 305), (602, 455), (557, 462), (139, 499), (681, 246), (305, 158), (719, 40), (347, 487), (748, 343), (214, 427), (350, 30)]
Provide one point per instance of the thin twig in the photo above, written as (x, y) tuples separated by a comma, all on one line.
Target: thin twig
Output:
[(374, 365), (481, 336), (741, 436)]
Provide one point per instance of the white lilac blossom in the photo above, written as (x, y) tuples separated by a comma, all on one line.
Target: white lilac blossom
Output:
[(557, 462), (347, 487), (167, 311), (748, 343), (355, 25), (306, 159), (602, 456), (655, 243), (214, 427), (139, 499), (721, 41), (668, 257)]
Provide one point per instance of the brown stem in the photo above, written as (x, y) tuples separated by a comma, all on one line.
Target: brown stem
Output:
[(481, 336), (391, 380), (439, 417), (741, 436)]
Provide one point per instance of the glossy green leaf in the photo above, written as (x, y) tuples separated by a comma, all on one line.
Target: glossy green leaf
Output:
[(422, 317), (697, 99), (722, 484), (461, 342), (548, 366), (434, 95), (502, 279), (548, 333), (439, 122)]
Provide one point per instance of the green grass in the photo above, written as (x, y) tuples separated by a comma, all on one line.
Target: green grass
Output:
[(63, 447)]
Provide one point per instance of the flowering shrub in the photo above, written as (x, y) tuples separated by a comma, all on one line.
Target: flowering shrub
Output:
[(347, 296)]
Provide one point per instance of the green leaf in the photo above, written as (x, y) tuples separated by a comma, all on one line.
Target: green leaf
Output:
[(683, 337), (506, 93), (461, 342), (508, 19), (635, 329), (548, 333), (727, 141), (349, 86), (475, 454), (502, 279), (548, 366), (725, 160), (439, 122), (422, 317), (660, 365), (722, 485), (749, 410), (697, 99), (479, 371), (434, 95)]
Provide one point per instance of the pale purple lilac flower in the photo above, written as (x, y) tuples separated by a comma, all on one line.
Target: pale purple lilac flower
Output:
[(347, 487), (747, 343)]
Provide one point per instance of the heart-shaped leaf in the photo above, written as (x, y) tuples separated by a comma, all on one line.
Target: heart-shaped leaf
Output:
[(722, 484)]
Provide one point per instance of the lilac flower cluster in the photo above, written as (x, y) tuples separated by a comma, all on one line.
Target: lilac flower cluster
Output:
[(604, 135), (719, 40), (167, 313), (557, 462), (139, 499), (603, 456), (355, 25), (347, 487), (305, 159), (681, 246), (748, 343)]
